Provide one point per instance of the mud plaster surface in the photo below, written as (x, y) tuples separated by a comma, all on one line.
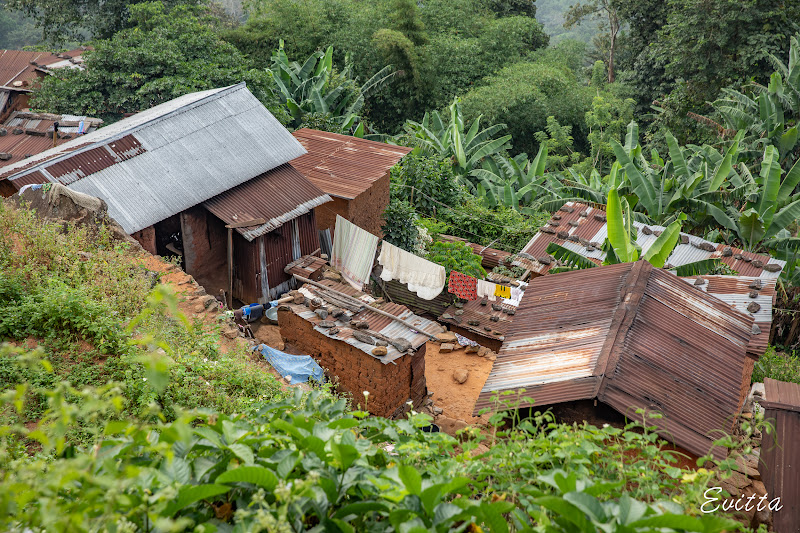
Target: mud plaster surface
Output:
[(456, 400)]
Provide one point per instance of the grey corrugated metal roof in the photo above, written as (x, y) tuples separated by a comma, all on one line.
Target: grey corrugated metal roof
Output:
[(192, 148)]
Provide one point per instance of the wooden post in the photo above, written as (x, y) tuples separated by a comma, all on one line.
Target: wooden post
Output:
[(240, 224), (230, 268)]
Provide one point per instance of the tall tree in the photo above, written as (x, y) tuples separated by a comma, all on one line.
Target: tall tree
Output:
[(165, 54), (608, 12), (69, 20)]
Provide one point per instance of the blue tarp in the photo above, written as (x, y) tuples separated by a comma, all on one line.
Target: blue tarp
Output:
[(300, 367)]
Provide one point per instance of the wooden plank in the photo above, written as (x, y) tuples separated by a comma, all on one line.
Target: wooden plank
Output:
[(230, 268)]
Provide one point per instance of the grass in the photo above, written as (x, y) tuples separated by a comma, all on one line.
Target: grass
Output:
[(76, 293), (777, 365)]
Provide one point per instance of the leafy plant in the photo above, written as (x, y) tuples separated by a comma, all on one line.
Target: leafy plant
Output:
[(399, 227), (314, 88), (456, 256)]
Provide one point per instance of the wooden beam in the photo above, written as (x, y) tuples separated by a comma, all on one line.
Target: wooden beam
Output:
[(247, 223), (356, 301)]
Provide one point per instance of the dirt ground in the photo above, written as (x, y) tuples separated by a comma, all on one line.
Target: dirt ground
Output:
[(456, 400)]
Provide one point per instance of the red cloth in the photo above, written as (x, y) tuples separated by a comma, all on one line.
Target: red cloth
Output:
[(463, 286)]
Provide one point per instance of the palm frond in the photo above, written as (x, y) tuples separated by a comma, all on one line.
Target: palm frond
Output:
[(568, 257)]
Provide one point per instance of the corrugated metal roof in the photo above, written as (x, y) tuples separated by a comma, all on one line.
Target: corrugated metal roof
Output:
[(577, 226), (171, 157), (477, 318), (278, 195), (377, 323), (644, 337), (36, 133), (736, 292), (21, 65), (344, 166)]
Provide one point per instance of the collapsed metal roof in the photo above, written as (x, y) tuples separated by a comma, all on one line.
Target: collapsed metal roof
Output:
[(377, 323), (168, 158), (278, 196), (582, 229), (344, 166), (633, 336)]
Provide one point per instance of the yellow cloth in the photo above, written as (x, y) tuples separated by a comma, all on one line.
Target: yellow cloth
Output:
[(502, 291)]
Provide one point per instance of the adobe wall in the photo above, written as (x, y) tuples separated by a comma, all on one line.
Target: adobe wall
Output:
[(326, 213), (205, 245), (366, 209), (147, 238), (389, 385)]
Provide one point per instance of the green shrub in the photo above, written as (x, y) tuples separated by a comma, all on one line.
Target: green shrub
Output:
[(777, 365), (456, 256), (399, 227), (427, 182)]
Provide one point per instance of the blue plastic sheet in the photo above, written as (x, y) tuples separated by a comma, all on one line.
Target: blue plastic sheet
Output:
[(299, 367)]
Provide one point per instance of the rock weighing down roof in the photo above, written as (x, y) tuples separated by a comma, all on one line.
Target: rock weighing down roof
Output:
[(166, 159), (583, 230), (344, 331), (18, 67), (25, 133), (344, 166), (632, 336)]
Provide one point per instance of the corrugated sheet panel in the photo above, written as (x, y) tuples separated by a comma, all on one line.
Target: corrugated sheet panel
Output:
[(195, 147), (549, 341), (344, 166), (577, 226), (399, 293), (473, 312), (736, 292), (247, 271), (645, 338), (18, 65), (278, 195), (377, 322), (780, 454)]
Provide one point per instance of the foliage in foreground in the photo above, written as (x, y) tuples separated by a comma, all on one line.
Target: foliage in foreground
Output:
[(777, 365), (307, 464)]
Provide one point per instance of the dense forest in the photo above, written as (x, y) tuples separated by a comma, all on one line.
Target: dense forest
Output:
[(678, 113)]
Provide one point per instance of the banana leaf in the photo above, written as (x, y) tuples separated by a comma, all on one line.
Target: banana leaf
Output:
[(618, 234), (661, 249), (704, 266), (571, 258)]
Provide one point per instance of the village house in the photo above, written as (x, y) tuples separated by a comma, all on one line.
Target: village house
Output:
[(353, 171), (204, 177), (25, 133), (20, 70)]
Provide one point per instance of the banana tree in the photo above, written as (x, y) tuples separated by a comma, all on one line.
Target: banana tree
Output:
[(621, 246), (770, 206), (768, 114), (306, 89), (663, 190), (467, 147)]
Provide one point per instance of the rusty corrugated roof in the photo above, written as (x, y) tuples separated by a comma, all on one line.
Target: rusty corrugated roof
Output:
[(21, 65), (377, 323), (781, 395), (645, 338), (278, 195), (739, 292), (344, 166), (582, 229), (25, 134), (477, 318)]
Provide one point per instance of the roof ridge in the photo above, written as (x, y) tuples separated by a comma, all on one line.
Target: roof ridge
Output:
[(128, 131)]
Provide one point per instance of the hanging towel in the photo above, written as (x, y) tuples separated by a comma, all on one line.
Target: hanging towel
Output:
[(486, 289), (353, 252), (422, 276), (463, 286), (502, 291)]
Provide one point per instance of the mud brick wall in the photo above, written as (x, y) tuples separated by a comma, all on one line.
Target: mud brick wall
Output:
[(147, 238), (389, 386), (366, 209)]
